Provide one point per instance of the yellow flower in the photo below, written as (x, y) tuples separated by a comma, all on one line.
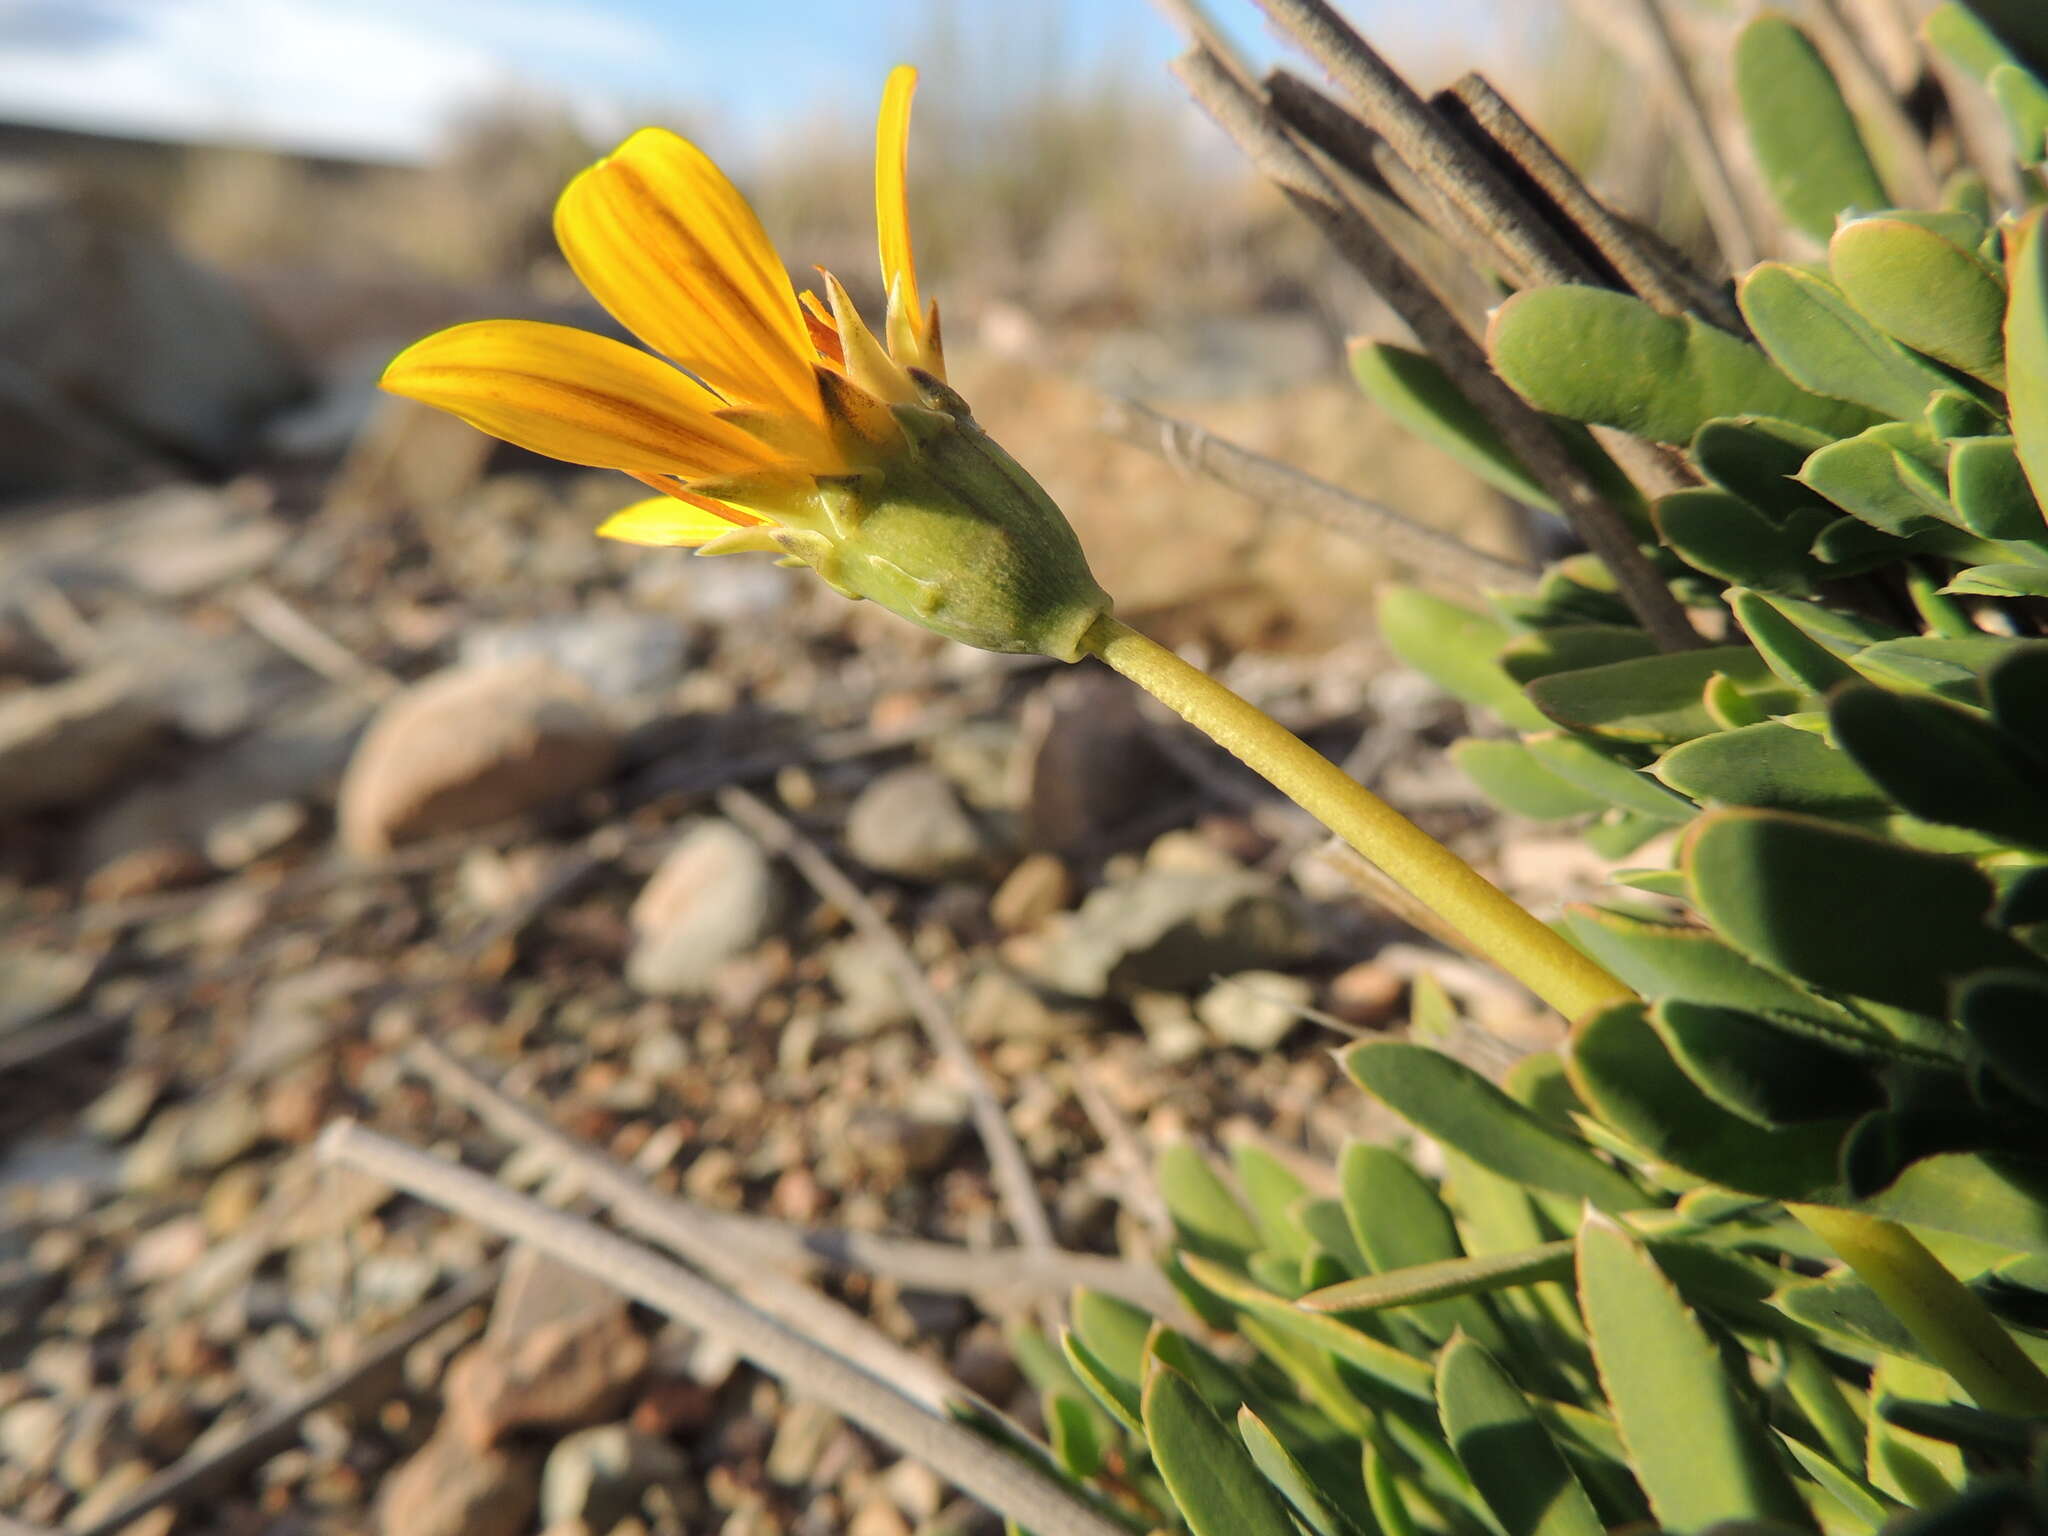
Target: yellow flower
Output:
[(784, 425)]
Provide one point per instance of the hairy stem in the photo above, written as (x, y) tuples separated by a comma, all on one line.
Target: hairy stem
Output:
[(1494, 925)]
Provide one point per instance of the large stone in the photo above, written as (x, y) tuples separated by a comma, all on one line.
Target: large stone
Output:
[(121, 351), (910, 823), (566, 1356), (469, 747), (713, 897), (598, 1475), (1254, 1010), (66, 743), (1170, 930), (452, 1488)]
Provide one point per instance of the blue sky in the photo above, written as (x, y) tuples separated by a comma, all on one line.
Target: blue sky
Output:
[(383, 77)]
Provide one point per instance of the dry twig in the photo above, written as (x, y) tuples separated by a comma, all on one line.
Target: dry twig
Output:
[(1265, 141), (1286, 489), (1005, 1483)]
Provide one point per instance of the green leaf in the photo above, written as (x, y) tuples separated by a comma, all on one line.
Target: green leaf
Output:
[(1114, 1330), (1770, 1076), (1758, 459), (1989, 489), (2016, 688), (1724, 536), (1445, 1280), (1698, 1448), (1207, 1217), (1505, 1449), (1921, 1471), (1948, 668), (1792, 654), (1215, 1483), (2024, 101), (1585, 765), (1401, 1373), (2008, 32), (1271, 1188), (1972, 1195), (1842, 910), (1451, 1102), (1602, 357), (1884, 478), (1117, 1394), (2006, 1014), (1412, 388), (1383, 1490), (1806, 141), (1817, 337), (1626, 1073), (1816, 1391), (1312, 1504), (1773, 766), (1454, 648), (1863, 1503), (1510, 775), (2026, 350), (1399, 1222), (2000, 581), (1664, 960), (1656, 699), (1568, 647), (1933, 293), (1943, 763), (1072, 1428)]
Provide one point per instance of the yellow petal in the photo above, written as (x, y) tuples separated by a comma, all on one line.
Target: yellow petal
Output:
[(892, 198), (575, 396), (668, 245), (666, 520)]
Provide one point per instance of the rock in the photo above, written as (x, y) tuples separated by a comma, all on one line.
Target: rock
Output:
[(240, 838), (1165, 930), (35, 983), (67, 743), (200, 1137), (32, 1434), (621, 656), (123, 351), (999, 1006), (980, 760), (63, 1366), (896, 1142), (168, 1249), (910, 823), (597, 1476), (1038, 887), (1092, 765), (452, 1488), (1254, 1010), (574, 1362), (713, 897), (1170, 1026), (807, 1428), (1367, 994), (871, 997), (147, 871), (468, 747)]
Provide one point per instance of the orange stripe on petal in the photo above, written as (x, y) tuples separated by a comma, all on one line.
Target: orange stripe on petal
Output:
[(667, 244), (892, 197), (668, 520), (572, 395)]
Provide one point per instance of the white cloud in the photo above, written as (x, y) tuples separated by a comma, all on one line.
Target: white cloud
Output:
[(375, 78)]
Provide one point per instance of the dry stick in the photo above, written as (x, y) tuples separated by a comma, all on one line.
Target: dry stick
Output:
[(1422, 139), (1391, 190), (1010, 1486), (1741, 247), (1286, 489), (1260, 135), (1644, 265), (733, 1246), (276, 1428), (1013, 1177), (268, 613)]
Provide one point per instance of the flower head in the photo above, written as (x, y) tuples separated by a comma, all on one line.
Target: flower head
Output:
[(778, 423)]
